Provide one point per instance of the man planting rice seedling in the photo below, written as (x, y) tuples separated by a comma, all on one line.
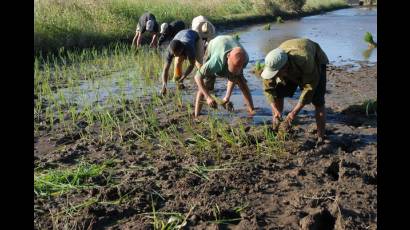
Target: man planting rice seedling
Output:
[(147, 22), (169, 30), (296, 62), (224, 57), (204, 28), (185, 45)]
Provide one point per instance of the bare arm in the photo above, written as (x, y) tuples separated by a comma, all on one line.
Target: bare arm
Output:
[(188, 70), (201, 86), (291, 116), (165, 77), (229, 89), (275, 111)]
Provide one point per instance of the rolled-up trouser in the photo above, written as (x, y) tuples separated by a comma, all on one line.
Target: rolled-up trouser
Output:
[(178, 68)]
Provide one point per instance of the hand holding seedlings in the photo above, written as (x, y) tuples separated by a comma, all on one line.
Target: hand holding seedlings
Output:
[(211, 102), (227, 105), (285, 125)]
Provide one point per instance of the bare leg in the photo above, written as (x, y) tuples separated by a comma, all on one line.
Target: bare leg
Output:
[(139, 39), (198, 103), (246, 94), (134, 41), (320, 114)]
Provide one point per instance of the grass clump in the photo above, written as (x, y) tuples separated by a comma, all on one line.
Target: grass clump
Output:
[(77, 24), (267, 27), (279, 19), (52, 182)]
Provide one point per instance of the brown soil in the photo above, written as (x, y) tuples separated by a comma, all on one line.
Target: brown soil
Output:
[(332, 186)]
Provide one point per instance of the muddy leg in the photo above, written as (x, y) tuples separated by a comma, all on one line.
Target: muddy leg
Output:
[(320, 114)]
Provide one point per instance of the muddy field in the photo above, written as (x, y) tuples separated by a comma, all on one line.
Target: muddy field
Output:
[(209, 182)]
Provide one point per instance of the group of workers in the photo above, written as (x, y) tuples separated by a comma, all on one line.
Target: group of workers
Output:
[(295, 63)]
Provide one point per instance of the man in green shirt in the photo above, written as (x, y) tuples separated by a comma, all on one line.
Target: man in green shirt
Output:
[(224, 57), (296, 62)]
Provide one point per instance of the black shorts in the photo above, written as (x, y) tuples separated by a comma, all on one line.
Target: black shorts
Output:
[(289, 89)]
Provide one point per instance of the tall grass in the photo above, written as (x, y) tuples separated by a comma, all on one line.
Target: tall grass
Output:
[(90, 23)]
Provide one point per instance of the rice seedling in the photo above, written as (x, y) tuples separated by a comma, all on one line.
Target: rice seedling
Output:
[(169, 220), (216, 211), (57, 182), (266, 27), (368, 38), (202, 171), (258, 68), (279, 20), (236, 37), (274, 143)]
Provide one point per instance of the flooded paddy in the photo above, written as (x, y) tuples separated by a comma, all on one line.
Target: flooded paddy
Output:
[(111, 153)]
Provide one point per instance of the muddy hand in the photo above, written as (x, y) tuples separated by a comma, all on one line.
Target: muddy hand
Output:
[(228, 106), (276, 124), (285, 125), (211, 102)]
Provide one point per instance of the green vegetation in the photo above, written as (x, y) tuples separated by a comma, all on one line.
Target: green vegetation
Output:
[(370, 107), (368, 37), (52, 182), (258, 68), (267, 27), (279, 19), (87, 23)]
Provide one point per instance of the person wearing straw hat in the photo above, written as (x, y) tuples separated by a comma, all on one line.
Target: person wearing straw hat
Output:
[(296, 62), (169, 30), (224, 57), (185, 45), (204, 27), (147, 22)]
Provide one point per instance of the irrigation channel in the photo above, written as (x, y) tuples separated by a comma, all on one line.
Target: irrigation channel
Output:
[(340, 34)]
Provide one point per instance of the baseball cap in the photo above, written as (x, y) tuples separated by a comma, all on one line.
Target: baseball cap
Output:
[(164, 27), (274, 61)]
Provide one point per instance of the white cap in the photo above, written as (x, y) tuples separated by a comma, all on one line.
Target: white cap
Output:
[(150, 25), (164, 26)]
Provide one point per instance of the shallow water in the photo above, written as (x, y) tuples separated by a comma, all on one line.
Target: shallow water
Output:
[(340, 34)]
